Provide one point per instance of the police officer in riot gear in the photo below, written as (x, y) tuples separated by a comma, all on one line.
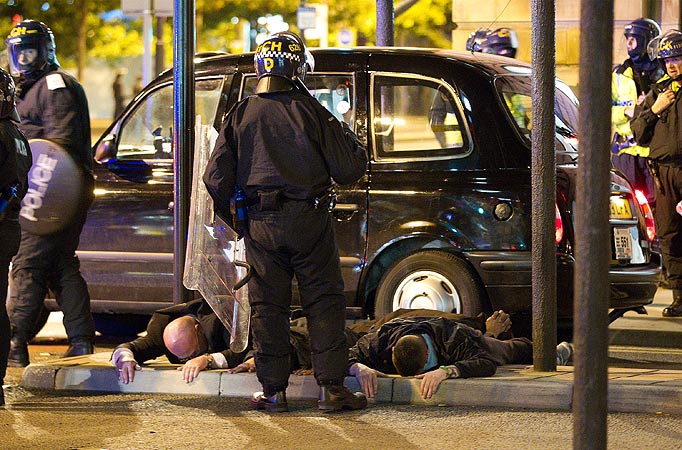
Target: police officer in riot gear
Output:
[(15, 162), (630, 83), (283, 148), (52, 105), (657, 125)]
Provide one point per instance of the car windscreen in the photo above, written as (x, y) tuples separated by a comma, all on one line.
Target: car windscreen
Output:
[(515, 93)]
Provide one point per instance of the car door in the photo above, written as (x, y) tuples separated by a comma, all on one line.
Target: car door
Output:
[(128, 237)]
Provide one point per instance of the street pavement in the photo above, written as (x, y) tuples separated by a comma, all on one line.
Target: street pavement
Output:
[(655, 385)]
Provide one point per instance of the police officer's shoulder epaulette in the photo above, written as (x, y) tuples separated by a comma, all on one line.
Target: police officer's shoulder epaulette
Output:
[(55, 81)]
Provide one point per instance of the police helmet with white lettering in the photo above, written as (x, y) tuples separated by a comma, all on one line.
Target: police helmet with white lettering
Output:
[(670, 44), (7, 106), (643, 30), (31, 35), (282, 61)]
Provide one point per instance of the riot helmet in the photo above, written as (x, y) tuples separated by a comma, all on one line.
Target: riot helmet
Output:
[(31, 48), (670, 45), (7, 106), (283, 55), (475, 38), (644, 31), (502, 41)]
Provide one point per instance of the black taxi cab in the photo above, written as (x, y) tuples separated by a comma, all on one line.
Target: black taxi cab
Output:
[(441, 219)]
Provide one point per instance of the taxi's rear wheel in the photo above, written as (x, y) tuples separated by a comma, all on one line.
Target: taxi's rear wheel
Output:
[(430, 279)]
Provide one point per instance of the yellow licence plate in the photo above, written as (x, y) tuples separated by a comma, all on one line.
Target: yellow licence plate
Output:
[(620, 208)]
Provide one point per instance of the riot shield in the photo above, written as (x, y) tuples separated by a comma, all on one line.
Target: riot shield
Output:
[(55, 189), (215, 264)]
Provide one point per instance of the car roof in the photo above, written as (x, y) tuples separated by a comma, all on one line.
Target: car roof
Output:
[(215, 62)]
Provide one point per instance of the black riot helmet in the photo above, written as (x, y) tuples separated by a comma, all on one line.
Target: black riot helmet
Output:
[(7, 106), (31, 35), (282, 56), (644, 31), (502, 41), (670, 45), (474, 40)]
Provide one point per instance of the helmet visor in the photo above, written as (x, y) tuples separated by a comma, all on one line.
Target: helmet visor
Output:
[(25, 57)]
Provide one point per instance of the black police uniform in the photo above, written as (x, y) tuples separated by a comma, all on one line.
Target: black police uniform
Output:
[(15, 162), (283, 148), (54, 107), (663, 135)]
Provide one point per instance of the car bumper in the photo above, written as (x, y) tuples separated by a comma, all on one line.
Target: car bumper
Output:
[(507, 277)]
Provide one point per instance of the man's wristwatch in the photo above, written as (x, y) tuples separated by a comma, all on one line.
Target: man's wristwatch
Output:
[(209, 360)]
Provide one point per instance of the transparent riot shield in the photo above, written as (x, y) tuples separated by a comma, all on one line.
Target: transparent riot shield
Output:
[(215, 264)]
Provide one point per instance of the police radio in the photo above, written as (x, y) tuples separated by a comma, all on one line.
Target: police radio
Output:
[(239, 210)]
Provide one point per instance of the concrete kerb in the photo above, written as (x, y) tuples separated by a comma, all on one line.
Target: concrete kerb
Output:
[(630, 390)]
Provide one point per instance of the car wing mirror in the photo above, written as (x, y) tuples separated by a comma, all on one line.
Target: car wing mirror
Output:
[(106, 149)]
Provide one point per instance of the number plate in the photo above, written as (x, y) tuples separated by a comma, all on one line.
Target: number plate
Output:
[(620, 208), (622, 243)]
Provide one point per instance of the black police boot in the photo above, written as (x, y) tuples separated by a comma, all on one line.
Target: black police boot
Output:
[(18, 353), (274, 403), (336, 397), (675, 308), (2, 395), (79, 346)]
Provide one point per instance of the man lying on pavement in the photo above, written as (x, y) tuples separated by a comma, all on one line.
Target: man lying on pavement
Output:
[(434, 349), (188, 333)]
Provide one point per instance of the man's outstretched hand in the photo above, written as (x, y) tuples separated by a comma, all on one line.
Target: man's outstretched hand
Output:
[(497, 324), (367, 377)]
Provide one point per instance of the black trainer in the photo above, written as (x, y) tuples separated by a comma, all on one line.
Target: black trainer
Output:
[(18, 354), (274, 404), (338, 397), (79, 347)]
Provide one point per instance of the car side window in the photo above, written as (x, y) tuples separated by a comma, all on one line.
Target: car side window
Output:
[(333, 91), (416, 117), (147, 132)]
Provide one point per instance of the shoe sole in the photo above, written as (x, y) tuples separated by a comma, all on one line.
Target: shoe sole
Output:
[(270, 408), (329, 407)]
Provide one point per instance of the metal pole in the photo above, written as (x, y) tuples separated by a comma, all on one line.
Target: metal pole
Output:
[(543, 181), (147, 38), (183, 135), (385, 23), (592, 227), (160, 55)]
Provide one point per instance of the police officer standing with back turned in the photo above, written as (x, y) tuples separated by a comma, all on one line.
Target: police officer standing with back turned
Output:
[(657, 124), (282, 147), (15, 162), (52, 105)]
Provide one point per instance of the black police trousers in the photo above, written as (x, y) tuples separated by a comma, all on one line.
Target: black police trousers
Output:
[(669, 222), (50, 262), (295, 240), (10, 235)]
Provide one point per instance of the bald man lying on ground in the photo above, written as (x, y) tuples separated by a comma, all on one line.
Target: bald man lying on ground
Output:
[(189, 334)]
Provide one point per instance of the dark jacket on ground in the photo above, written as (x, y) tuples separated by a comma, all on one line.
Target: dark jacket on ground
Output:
[(151, 346), (455, 344)]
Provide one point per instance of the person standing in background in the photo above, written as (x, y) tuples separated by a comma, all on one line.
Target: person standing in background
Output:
[(631, 80), (119, 92), (52, 106), (15, 162), (657, 124)]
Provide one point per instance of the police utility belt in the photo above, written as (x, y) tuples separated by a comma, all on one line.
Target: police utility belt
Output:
[(273, 200)]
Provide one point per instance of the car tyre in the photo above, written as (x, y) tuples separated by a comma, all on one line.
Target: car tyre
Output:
[(430, 279)]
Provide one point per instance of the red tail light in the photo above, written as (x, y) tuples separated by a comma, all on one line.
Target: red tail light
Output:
[(648, 215), (559, 227)]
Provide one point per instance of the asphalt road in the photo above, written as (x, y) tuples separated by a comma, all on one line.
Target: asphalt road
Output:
[(75, 421)]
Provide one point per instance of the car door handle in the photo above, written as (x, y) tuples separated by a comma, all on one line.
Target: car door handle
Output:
[(345, 211)]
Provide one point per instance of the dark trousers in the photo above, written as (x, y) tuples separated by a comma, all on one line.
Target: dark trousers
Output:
[(669, 222), (295, 240), (50, 262), (512, 351), (10, 235)]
